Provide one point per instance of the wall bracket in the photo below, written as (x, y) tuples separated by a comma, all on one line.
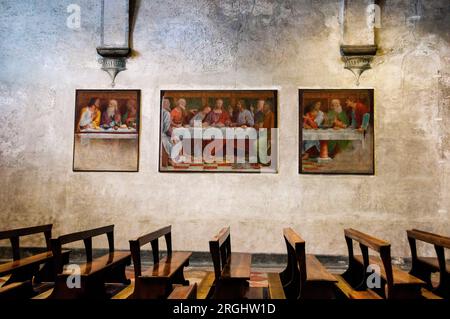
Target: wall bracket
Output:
[(358, 58)]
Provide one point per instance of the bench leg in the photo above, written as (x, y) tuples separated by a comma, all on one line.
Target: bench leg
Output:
[(355, 275), (443, 288), (90, 288), (422, 272), (23, 274), (178, 278), (118, 274), (47, 272)]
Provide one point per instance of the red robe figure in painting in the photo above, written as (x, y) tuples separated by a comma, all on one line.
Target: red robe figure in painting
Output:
[(178, 113), (308, 120), (218, 116), (358, 110)]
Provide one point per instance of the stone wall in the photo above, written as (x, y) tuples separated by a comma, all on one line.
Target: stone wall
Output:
[(226, 44)]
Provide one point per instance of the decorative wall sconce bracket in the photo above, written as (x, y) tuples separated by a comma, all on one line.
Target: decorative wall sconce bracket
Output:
[(358, 58)]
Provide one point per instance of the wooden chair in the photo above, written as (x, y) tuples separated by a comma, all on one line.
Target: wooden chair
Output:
[(95, 273), (395, 283), (423, 267), (28, 269), (157, 282), (304, 276), (231, 270)]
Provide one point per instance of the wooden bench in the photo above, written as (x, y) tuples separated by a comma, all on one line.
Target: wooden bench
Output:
[(184, 292), (423, 267), (28, 269), (304, 276), (395, 283), (157, 282), (95, 273), (231, 270), (17, 291)]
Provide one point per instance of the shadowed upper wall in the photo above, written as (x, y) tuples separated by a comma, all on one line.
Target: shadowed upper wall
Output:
[(225, 44)]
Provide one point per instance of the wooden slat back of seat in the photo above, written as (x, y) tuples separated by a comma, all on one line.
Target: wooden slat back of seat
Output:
[(85, 236), (14, 236), (153, 239), (220, 249), (365, 242)]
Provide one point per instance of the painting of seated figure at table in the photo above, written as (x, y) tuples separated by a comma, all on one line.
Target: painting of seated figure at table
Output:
[(106, 130), (219, 131), (336, 131)]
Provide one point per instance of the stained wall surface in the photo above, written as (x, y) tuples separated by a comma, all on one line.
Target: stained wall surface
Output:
[(226, 44)]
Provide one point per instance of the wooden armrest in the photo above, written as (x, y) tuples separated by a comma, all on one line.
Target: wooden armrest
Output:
[(142, 240), (430, 238), (367, 240), (223, 234), (292, 237)]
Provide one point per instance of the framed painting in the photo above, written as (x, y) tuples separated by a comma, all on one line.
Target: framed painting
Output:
[(219, 131), (106, 130), (336, 131)]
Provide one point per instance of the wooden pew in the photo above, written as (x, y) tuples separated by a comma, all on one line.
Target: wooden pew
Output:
[(28, 269), (157, 282), (231, 270), (17, 291), (184, 292), (304, 276), (95, 273), (423, 267), (395, 283)]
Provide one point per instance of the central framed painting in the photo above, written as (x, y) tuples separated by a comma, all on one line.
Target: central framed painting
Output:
[(219, 131), (337, 131)]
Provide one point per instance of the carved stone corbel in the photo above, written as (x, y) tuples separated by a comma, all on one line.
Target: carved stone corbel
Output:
[(115, 25), (357, 58), (358, 21)]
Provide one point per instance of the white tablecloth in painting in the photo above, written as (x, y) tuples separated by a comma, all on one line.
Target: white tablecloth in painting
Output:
[(333, 135), (107, 136), (207, 133), (109, 130)]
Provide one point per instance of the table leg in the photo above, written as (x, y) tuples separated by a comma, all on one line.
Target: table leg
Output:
[(324, 152)]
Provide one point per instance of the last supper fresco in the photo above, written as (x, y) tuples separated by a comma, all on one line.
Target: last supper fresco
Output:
[(336, 131)]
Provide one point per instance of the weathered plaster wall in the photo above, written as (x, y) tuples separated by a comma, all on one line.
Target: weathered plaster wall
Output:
[(196, 44)]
